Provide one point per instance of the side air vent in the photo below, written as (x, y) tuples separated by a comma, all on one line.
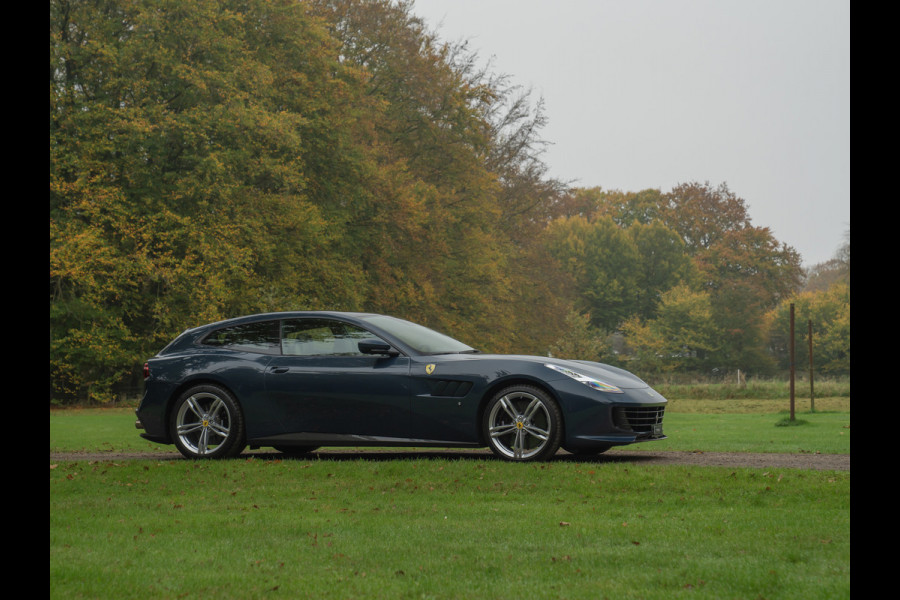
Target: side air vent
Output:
[(449, 388)]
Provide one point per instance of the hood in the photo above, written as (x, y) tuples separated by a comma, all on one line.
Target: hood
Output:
[(605, 373)]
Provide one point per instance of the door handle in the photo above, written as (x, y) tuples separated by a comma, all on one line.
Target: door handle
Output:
[(279, 369)]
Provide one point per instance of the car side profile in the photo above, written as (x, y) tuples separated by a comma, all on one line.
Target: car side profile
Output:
[(297, 381)]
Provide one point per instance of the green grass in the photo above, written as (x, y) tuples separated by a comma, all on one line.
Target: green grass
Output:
[(715, 405), (825, 433), (438, 528), (369, 526), (753, 388), (97, 430)]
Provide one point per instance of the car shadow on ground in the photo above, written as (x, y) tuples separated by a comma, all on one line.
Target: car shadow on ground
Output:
[(374, 455)]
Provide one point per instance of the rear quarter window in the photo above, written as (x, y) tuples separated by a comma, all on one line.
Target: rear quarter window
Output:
[(262, 338)]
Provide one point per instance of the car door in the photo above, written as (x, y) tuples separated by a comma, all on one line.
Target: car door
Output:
[(322, 384)]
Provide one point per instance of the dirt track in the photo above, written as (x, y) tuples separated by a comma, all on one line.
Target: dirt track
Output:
[(822, 462)]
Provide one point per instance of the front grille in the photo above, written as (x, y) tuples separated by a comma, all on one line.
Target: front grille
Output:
[(638, 419)]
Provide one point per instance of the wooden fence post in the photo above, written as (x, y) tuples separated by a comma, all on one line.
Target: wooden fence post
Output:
[(812, 393), (792, 362)]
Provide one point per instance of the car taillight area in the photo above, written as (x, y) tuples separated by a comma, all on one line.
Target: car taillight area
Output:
[(146, 370)]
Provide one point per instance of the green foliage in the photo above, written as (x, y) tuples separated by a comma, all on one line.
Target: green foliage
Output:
[(682, 337), (182, 146), (663, 265), (603, 261), (829, 313), (636, 258), (233, 157), (581, 341)]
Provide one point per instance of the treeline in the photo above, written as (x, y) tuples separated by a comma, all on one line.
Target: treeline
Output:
[(683, 282), (223, 157)]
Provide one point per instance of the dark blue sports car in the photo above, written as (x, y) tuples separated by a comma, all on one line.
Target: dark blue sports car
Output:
[(297, 381)]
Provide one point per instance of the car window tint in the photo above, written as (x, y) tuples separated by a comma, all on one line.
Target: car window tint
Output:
[(252, 337), (317, 337)]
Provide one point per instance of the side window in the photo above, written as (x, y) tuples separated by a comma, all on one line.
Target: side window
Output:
[(317, 337), (252, 337)]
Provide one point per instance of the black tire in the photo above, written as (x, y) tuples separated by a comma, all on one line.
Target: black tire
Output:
[(522, 423), (207, 422), (296, 450)]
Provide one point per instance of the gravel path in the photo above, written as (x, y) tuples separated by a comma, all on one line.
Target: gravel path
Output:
[(822, 462)]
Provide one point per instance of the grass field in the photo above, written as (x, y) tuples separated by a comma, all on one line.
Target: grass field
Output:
[(366, 527)]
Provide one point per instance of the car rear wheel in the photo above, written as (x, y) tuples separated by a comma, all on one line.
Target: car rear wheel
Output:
[(207, 423), (522, 423)]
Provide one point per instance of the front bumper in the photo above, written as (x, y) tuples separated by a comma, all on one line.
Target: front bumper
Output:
[(595, 419)]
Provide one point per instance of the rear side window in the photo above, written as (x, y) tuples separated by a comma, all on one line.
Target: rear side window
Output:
[(253, 337), (321, 337)]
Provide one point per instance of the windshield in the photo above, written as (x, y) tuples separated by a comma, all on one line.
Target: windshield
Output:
[(419, 338)]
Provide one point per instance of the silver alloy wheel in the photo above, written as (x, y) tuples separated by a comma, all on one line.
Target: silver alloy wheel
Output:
[(203, 423), (519, 425)]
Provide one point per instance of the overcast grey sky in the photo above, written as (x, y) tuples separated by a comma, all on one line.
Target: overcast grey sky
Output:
[(652, 93)]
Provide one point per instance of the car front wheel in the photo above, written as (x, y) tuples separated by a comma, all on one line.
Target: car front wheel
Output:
[(207, 423), (523, 423)]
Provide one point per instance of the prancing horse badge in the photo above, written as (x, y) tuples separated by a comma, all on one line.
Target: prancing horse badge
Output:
[(429, 369)]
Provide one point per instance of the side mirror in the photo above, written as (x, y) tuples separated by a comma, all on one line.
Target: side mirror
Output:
[(377, 347)]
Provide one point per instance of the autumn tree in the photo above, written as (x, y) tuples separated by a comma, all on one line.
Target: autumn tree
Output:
[(662, 265), (604, 263), (747, 272), (682, 336), (188, 146), (456, 191), (223, 157), (619, 271), (827, 309), (823, 275), (627, 208), (702, 214), (743, 267), (829, 312), (579, 340), (626, 250)]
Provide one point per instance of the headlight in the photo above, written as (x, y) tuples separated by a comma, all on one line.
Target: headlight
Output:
[(588, 381)]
